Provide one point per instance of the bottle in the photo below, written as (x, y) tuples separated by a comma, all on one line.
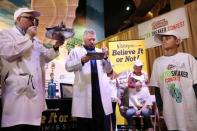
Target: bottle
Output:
[(51, 89)]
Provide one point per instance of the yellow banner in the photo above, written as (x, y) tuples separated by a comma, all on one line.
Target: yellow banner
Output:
[(122, 54)]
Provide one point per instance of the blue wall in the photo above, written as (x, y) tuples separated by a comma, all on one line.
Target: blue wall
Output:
[(95, 17)]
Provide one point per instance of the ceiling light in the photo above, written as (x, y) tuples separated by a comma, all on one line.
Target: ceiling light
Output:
[(128, 8)]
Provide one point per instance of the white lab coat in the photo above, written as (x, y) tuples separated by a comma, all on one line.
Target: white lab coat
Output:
[(82, 89), (22, 104), (114, 90)]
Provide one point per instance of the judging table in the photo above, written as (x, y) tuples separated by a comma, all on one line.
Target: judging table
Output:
[(58, 116)]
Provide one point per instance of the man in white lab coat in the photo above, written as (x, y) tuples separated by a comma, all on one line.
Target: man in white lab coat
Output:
[(91, 92), (21, 62)]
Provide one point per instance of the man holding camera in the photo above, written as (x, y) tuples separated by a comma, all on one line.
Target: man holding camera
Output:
[(22, 58)]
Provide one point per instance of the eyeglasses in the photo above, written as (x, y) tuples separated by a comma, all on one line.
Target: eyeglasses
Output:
[(29, 18), (34, 20)]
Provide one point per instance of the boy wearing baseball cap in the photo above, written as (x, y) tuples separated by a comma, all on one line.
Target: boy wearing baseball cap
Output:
[(174, 78)]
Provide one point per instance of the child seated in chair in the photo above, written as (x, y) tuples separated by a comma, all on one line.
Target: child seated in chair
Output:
[(138, 105)]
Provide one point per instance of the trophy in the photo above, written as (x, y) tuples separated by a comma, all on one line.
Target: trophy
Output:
[(51, 84)]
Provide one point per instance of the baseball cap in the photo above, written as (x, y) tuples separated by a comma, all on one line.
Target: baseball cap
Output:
[(138, 63), (19, 11), (157, 37)]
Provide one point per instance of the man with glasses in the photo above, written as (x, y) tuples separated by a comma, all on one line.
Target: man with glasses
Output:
[(22, 58)]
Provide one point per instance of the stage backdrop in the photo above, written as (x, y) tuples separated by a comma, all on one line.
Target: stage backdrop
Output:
[(122, 55), (174, 20)]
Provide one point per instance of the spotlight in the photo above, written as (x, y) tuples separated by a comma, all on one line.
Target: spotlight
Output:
[(128, 8)]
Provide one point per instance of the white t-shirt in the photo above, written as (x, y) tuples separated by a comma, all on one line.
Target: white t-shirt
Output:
[(138, 98), (175, 76), (122, 79), (143, 78)]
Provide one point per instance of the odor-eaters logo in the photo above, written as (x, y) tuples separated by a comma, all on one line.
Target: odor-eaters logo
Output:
[(170, 79), (175, 92)]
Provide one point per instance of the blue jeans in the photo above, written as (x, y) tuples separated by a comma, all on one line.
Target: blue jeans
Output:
[(146, 117)]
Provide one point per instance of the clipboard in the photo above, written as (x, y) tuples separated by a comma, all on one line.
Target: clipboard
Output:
[(96, 55)]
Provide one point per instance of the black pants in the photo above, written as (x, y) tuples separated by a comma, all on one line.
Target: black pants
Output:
[(101, 123), (113, 116), (21, 128), (146, 123)]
